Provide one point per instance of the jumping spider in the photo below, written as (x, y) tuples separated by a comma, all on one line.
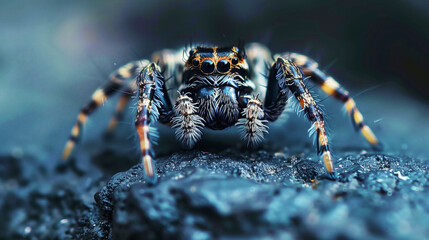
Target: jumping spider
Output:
[(216, 88)]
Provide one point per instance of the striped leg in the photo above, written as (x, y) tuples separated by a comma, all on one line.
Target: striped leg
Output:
[(123, 101), (289, 77), (151, 98), (333, 88), (117, 80), (168, 61)]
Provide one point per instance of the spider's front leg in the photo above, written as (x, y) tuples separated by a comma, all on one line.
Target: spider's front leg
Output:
[(152, 102), (287, 76)]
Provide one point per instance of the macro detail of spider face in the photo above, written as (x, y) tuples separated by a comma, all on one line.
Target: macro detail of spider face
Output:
[(217, 88), (215, 60)]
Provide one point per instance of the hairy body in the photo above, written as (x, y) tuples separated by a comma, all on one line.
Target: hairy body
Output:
[(219, 87)]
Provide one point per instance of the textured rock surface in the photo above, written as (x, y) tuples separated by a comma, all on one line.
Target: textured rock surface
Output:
[(227, 195)]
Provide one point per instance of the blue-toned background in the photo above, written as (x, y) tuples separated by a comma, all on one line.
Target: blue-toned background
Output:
[(54, 54)]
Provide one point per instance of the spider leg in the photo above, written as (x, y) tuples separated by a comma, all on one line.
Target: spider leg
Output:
[(123, 101), (117, 80), (288, 77), (258, 58), (186, 122), (333, 88), (252, 125), (168, 61), (152, 102)]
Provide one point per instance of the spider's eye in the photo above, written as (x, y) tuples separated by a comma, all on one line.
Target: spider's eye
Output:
[(234, 61), (207, 66), (195, 62), (223, 66)]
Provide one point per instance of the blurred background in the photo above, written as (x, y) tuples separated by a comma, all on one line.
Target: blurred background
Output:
[(53, 55)]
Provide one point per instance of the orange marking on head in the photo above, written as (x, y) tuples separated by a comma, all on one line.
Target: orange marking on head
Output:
[(235, 49), (369, 135)]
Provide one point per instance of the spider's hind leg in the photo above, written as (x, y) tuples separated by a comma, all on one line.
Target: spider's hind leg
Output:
[(122, 103), (117, 80), (330, 86)]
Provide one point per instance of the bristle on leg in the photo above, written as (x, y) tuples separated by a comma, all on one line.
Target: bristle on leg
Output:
[(330, 86), (252, 126), (290, 78), (150, 84), (187, 123)]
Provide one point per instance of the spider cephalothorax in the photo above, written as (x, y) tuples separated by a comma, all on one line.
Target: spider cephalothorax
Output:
[(215, 78), (217, 87)]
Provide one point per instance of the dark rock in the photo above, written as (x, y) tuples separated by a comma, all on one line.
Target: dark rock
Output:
[(229, 195), (38, 203)]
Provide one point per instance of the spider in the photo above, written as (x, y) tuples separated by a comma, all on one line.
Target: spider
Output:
[(216, 88)]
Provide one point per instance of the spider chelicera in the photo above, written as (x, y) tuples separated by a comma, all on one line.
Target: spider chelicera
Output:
[(216, 88)]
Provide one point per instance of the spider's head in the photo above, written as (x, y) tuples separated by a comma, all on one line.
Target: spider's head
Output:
[(215, 77), (216, 61)]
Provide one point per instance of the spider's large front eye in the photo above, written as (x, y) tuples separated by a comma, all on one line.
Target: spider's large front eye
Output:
[(234, 61), (207, 66), (223, 66), (195, 62)]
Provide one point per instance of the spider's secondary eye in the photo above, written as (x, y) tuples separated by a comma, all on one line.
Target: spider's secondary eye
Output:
[(207, 66), (195, 62), (234, 61), (223, 66)]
